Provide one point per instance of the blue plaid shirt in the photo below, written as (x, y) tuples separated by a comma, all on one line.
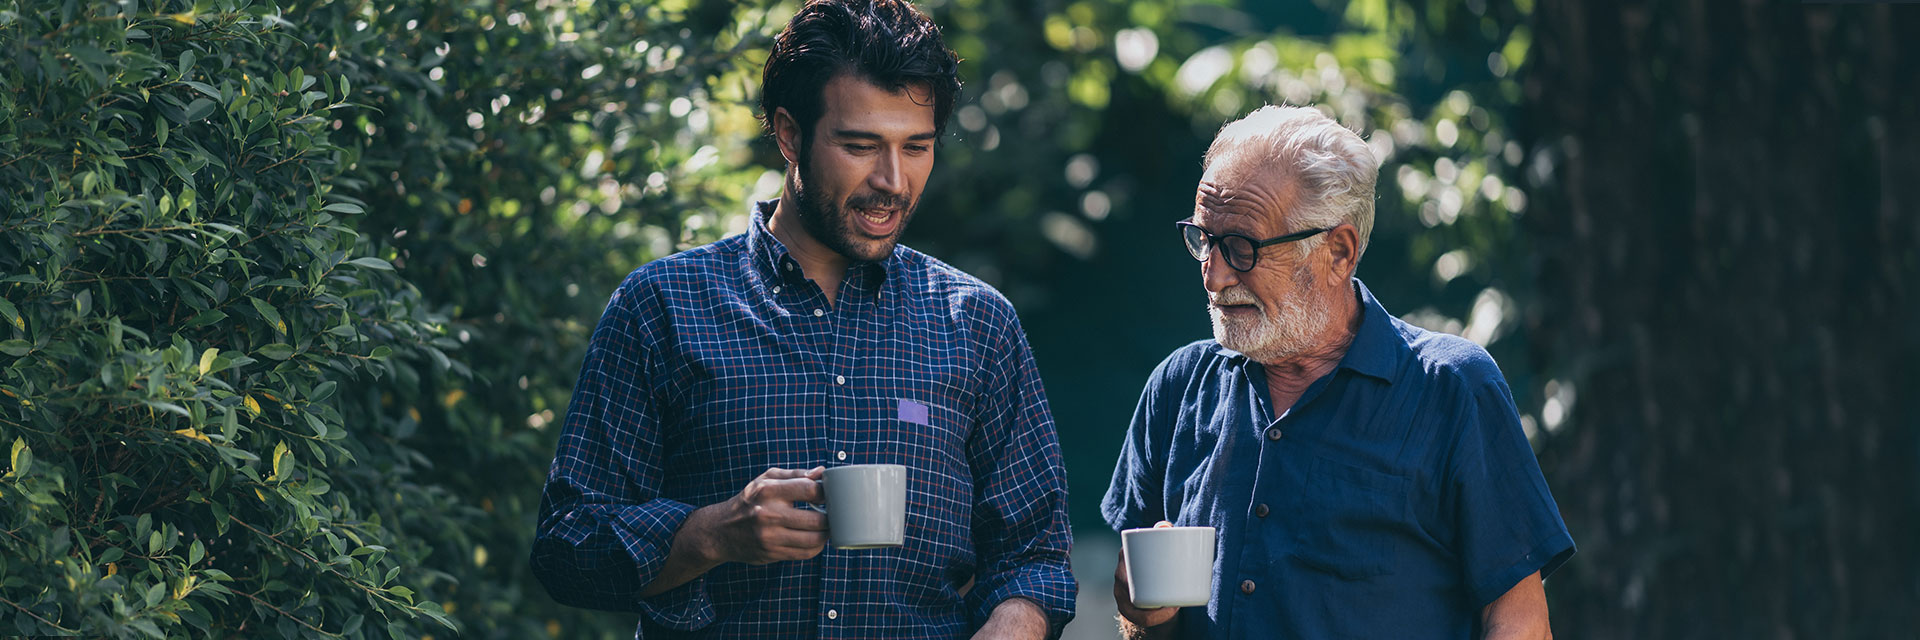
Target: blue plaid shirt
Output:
[(711, 365)]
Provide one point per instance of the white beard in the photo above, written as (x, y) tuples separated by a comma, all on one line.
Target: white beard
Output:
[(1279, 333)]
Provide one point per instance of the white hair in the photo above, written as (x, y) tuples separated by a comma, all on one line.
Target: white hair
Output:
[(1334, 169)]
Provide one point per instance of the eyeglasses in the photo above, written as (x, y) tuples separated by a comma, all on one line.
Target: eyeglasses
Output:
[(1241, 252)]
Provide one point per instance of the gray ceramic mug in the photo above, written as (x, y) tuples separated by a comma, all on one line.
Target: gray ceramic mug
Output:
[(1169, 566), (866, 506)]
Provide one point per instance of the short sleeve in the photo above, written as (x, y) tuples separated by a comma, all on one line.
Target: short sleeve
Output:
[(1507, 523), (1134, 497)]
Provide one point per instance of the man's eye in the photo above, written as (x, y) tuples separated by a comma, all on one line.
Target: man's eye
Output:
[(860, 148), (918, 148)]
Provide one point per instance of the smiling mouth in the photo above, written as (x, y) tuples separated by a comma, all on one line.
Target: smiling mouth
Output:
[(877, 222)]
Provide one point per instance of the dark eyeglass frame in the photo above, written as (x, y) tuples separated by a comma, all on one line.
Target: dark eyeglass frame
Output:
[(1213, 241)]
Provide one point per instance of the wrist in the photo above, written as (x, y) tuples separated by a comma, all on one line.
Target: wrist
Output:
[(696, 538)]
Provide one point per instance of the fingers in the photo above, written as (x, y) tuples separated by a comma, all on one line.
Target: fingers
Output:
[(800, 519), (777, 473), (791, 485), (781, 545), (765, 491)]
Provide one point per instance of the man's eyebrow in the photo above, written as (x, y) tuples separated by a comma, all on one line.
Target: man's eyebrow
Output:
[(869, 135)]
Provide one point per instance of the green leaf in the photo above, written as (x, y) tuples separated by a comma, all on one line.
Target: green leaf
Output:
[(90, 55), (219, 518), (12, 315), (16, 347), (168, 407), (381, 352), (199, 109), (205, 88), (22, 458), (372, 263), (268, 313), (206, 360), (198, 552), (343, 207), (282, 458), (207, 317), (277, 351)]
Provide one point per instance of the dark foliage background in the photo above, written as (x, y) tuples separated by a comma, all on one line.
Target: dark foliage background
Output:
[(295, 293)]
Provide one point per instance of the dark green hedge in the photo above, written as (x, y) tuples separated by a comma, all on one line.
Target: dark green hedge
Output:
[(291, 295)]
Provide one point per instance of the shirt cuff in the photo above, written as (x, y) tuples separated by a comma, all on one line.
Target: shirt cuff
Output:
[(682, 608), (649, 539), (1544, 558), (1049, 585)]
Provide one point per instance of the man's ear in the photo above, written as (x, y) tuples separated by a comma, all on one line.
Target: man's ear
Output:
[(1343, 251), (786, 132)]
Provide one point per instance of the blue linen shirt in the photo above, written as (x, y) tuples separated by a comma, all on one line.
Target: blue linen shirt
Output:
[(1396, 499), (711, 365)]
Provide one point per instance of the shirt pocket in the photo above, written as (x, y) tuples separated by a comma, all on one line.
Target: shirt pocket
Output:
[(1350, 518)]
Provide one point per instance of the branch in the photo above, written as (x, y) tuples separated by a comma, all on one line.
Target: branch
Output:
[(316, 561), (44, 621), (289, 616)]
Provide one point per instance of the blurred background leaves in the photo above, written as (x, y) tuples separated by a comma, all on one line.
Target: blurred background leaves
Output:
[(1685, 231)]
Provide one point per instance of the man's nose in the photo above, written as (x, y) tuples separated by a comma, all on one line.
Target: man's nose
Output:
[(886, 177), (1215, 273)]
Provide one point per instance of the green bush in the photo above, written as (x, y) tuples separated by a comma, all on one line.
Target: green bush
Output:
[(292, 293), (193, 327)]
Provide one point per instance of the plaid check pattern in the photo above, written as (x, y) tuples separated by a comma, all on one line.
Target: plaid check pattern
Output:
[(711, 365)]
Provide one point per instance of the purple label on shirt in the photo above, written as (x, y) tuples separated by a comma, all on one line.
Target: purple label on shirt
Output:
[(913, 412)]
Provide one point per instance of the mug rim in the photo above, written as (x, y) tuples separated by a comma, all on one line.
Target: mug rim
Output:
[(1191, 528)]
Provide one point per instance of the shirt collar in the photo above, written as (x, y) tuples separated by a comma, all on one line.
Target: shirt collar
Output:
[(1377, 346), (773, 261), (769, 256)]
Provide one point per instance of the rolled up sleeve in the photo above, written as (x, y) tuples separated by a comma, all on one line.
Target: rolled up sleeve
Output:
[(604, 531), (1020, 527)]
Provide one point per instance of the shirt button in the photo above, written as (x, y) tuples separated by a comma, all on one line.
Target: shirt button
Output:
[(819, 312), (789, 266), (1260, 511), (840, 379), (1272, 434), (833, 614), (841, 455), (1246, 586), (776, 288)]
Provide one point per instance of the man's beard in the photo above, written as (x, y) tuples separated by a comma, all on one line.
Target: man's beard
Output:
[(830, 223), (1279, 333)]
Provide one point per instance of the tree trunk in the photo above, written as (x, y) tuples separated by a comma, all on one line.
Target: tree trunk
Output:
[(1724, 206)]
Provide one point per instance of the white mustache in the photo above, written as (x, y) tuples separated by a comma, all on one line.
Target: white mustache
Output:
[(1232, 296)]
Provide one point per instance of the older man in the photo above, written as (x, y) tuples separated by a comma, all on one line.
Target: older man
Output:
[(1367, 478)]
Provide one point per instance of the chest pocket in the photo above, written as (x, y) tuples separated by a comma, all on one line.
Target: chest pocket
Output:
[(1351, 520)]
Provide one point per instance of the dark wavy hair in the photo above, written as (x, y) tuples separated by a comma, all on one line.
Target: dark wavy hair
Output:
[(886, 42)]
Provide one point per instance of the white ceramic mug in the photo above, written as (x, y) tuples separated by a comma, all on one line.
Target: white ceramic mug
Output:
[(1169, 566), (866, 506)]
